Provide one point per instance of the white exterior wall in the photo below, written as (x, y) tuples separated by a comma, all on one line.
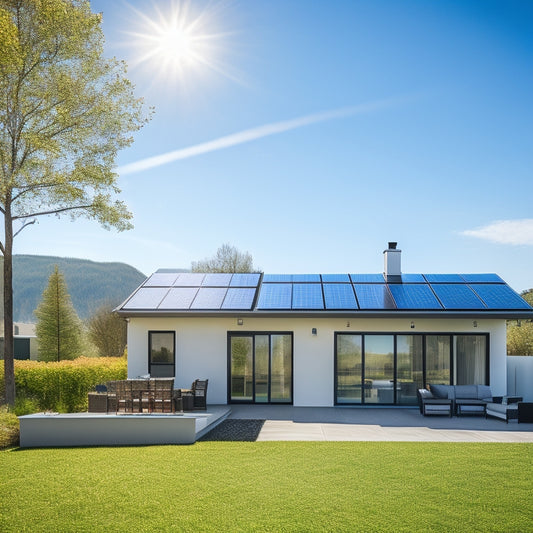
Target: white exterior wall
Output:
[(201, 348)]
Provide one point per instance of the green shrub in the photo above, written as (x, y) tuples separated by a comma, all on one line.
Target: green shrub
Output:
[(63, 386), (9, 428)]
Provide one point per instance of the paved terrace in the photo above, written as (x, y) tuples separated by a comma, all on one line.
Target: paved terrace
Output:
[(374, 424)]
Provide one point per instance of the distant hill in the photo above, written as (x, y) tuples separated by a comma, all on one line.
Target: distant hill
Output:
[(90, 284)]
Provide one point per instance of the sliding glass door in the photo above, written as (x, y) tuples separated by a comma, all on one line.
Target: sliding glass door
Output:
[(260, 367), (372, 368)]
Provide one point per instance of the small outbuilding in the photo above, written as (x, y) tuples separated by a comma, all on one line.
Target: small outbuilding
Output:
[(322, 339)]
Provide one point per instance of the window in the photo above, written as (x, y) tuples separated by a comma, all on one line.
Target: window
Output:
[(260, 367), (161, 354), (375, 368)]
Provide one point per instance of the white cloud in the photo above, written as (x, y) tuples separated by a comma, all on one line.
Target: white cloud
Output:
[(253, 134), (505, 232)]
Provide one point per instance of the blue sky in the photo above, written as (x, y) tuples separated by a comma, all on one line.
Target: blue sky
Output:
[(312, 133)]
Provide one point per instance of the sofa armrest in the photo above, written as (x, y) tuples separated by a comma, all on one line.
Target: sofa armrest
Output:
[(512, 399)]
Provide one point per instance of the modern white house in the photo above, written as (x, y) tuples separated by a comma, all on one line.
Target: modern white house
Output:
[(322, 339)]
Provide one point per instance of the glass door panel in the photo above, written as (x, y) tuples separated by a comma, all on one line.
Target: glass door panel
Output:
[(242, 368), (409, 368), (438, 355), (379, 369), (281, 369), (470, 360), (349, 368), (262, 373)]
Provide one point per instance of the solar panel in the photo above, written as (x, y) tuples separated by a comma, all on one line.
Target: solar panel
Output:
[(146, 298), (209, 298), (245, 280), (444, 278), (161, 280), (189, 280), (239, 299), (457, 296), (374, 296), (335, 278), (275, 296), (179, 298), (307, 296), (498, 296), (277, 278), (306, 278), (414, 296), (482, 278), (217, 280), (339, 296), (367, 278), (413, 278)]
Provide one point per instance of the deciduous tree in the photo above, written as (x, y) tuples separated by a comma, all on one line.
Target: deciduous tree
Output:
[(65, 112), (59, 330), (227, 259), (108, 332)]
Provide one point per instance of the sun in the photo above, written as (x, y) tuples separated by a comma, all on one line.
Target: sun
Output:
[(177, 42)]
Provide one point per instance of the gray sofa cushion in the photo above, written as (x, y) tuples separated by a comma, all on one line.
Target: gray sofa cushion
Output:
[(442, 391), (483, 392), (424, 394), (466, 392)]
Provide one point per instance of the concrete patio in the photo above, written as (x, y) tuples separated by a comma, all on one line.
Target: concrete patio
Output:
[(376, 424), (277, 423)]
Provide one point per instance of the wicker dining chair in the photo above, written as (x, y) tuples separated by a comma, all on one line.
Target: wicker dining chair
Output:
[(199, 389)]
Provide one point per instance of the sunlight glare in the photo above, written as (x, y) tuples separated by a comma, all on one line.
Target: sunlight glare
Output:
[(177, 43)]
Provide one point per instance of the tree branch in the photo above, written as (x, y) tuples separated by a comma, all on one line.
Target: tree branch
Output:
[(24, 224), (54, 211)]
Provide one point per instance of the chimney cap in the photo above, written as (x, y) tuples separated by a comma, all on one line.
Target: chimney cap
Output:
[(392, 245)]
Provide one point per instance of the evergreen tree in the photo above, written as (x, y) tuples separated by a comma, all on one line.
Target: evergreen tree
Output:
[(59, 330)]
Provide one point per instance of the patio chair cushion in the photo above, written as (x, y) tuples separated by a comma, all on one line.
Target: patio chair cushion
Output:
[(424, 393)]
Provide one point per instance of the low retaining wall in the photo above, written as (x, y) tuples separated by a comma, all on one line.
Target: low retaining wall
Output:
[(93, 429)]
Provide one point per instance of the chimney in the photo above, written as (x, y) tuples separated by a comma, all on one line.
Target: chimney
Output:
[(393, 264)]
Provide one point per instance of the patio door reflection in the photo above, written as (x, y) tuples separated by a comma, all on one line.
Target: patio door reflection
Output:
[(379, 369), (260, 368)]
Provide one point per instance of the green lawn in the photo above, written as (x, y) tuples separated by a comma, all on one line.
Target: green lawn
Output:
[(270, 486)]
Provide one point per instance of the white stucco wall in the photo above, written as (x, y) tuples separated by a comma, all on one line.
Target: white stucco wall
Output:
[(201, 348)]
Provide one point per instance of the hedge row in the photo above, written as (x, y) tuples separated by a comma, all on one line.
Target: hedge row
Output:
[(63, 386)]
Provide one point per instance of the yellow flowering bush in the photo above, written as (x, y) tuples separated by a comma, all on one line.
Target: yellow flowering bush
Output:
[(63, 386)]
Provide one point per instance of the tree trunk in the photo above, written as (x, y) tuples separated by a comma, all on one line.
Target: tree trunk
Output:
[(9, 367)]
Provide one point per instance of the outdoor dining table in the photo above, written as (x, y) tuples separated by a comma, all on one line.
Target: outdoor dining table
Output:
[(140, 394)]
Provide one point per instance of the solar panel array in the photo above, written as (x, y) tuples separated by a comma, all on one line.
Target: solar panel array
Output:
[(166, 291), (445, 292)]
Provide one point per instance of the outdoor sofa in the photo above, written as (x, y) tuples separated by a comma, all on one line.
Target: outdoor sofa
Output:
[(430, 405), (504, 407), (466, 399)]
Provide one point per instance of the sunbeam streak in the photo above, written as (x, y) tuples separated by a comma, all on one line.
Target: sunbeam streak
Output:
[(253, 134)]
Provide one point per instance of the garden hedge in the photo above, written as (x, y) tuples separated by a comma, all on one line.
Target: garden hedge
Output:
[(63, 386)]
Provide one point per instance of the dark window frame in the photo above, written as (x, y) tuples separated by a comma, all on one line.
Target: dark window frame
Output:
[(253, 334), (150, 363), (395, 334)]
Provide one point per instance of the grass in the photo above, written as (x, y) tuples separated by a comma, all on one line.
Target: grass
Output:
[(270, 486)]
